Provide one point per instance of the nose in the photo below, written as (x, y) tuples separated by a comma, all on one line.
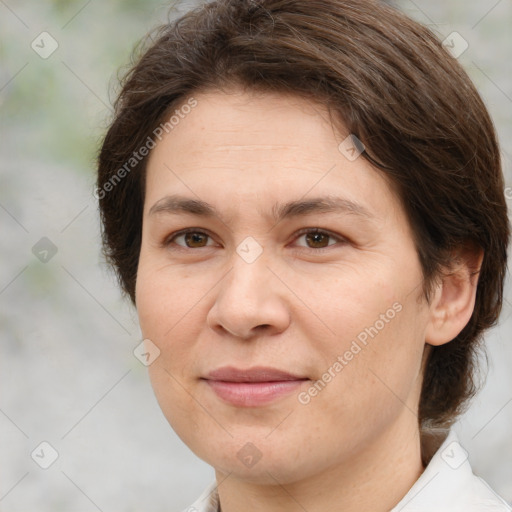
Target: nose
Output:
[(250, 301)]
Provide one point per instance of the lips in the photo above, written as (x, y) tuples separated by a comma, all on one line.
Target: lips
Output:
[(252, 387), (256, 374)]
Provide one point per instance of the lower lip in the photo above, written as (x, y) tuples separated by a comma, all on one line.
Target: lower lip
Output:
[(253, 394)]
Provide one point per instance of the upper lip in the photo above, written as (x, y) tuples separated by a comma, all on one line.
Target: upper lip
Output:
[(255, 374)]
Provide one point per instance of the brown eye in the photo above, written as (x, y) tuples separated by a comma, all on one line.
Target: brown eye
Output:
[(196, 239), (317, 239), (193, 239)]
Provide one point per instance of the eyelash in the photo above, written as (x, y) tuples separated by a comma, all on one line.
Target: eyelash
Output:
[(167, 242)]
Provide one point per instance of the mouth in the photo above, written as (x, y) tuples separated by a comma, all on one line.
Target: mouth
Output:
[(252, 387)]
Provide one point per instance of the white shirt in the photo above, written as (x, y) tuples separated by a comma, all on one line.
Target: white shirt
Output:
[(447, 485)]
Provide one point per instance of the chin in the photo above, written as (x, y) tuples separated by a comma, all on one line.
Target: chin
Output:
[(261, 462)]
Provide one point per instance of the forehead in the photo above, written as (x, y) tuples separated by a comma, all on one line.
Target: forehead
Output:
[(260, 148), (252, 123)]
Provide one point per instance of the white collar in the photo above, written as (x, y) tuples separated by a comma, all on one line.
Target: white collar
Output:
[(447, 485)]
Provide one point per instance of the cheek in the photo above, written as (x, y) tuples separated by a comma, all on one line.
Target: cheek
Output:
[(379, 369), (372, 359), (166, 317), (167, 309), (351, 303), (165, 298)]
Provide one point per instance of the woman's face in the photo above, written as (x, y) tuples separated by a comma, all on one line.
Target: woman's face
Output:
[(338, 312)]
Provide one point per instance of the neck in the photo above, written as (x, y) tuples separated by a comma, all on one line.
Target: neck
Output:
[(376, 478)]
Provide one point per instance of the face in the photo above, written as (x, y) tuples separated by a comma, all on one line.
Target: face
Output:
[(288, 319)]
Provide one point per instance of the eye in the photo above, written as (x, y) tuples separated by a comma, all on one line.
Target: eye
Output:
[(318, 239), (193, 239)]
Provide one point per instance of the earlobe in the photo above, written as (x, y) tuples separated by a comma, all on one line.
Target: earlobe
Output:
[(454, 299)]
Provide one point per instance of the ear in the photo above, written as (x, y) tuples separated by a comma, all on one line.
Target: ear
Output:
[(454, 299)]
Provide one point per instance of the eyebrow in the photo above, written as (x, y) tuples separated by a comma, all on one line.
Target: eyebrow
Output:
[(176, 204)]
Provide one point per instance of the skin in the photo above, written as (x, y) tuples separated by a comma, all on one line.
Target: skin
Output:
[(295, 308)]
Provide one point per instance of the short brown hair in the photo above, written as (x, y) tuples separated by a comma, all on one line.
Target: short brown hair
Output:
[(386, 79)]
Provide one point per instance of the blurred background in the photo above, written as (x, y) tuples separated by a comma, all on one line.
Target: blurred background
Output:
[(68, 375)]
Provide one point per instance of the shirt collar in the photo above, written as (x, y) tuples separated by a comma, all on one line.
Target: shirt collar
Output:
[(448, 484)]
